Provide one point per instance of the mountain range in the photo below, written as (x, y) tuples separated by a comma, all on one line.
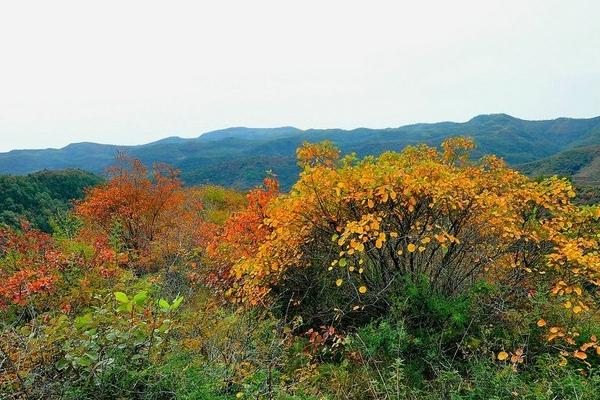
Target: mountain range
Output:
[(240, 157)]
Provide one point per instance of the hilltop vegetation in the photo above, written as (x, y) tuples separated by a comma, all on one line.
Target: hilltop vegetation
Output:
[(239, 157), (41, 196), (424, 274)]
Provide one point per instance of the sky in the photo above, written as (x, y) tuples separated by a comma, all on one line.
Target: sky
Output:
[(128, 72)]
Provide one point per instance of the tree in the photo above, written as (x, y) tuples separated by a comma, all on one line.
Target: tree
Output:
[(350, 232), (29, 266), (138, 205), (312, 154), (241, 235)]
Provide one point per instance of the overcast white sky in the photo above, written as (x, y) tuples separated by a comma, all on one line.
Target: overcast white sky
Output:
[(130, 72)]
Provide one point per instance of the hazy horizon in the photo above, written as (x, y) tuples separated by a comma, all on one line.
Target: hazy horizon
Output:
[(133, 72)]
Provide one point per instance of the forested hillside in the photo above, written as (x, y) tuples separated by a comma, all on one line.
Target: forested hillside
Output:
[(430, 273), (581, 164), (41, 196), (239, 157)]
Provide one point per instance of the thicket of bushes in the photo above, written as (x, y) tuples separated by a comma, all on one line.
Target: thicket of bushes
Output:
[(413, 275)]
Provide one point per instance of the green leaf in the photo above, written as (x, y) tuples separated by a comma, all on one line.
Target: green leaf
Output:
[(84, 361), (125, 307), (164, 326), (342, 262), (121, 297), (62, 364), (90, 332), (162, 303), (139, 298), (83, 321), (176, 302)]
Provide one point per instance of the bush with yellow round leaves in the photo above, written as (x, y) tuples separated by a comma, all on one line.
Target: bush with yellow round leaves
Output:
[(371, 223)]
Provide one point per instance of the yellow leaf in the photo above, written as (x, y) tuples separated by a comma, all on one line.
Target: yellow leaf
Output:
[(519, 352), (411, 247), (580, 354), (563, 362), (362, 289), (577, 309), (541, 323), (502, 356), (339, 282)]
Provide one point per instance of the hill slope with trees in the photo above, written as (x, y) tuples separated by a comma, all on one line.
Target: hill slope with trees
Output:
[(41, 196), (239, 157), (581, 164)]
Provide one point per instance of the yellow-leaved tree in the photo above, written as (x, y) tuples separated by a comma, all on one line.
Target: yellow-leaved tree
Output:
[(351, 231)]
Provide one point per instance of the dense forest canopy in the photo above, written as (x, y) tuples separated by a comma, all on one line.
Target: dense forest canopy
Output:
[(430, 273), (41, 196)]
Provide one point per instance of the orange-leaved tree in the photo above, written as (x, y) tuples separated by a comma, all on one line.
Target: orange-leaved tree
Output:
[(241, 236), (146, 216), (29, 265)]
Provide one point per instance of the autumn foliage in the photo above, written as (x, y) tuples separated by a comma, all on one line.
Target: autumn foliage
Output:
[(368, 225), (30, 267), (139, 203), (414, 274), (241, 235), (136, 210)]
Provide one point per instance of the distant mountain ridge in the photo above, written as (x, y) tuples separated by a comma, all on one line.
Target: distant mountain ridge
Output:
[(239, 157)]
